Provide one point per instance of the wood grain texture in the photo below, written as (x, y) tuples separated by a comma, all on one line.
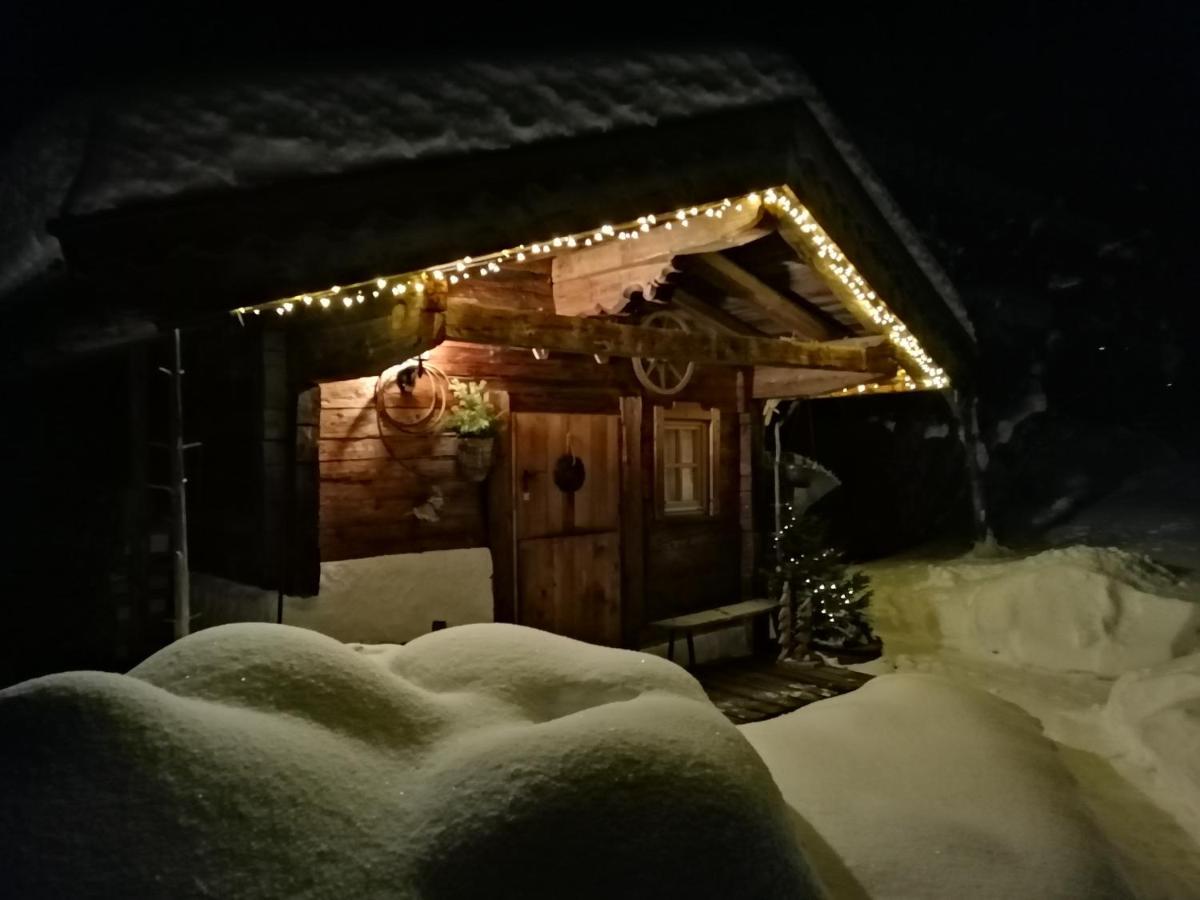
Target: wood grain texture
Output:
[(773, 381), (572, 586), (744, 284), (572, 334), (501, 519), (633, 532), (540, 439)]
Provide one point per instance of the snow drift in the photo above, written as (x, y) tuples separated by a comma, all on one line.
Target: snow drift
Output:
[(1079, 609), (258, 760), (1154, 717), (915, 787), (1100, 646)]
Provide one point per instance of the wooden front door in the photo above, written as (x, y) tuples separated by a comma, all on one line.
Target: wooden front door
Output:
[(568, 543)]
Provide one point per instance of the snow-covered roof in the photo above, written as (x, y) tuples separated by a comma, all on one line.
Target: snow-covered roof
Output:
[(134, 154), (241, 132), (118, 150)]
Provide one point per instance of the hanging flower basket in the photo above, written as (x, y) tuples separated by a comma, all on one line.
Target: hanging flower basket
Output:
[(475, 455), (475, 420)]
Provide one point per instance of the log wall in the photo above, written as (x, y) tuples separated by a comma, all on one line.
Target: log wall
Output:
[(372, 476)]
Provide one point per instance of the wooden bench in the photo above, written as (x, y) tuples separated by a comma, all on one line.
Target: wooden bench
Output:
[(711, 620)]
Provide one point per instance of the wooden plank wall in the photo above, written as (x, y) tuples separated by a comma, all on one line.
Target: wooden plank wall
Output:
[(695, 563), (540, 439), (371, 475), (370, 481), (571, 585)]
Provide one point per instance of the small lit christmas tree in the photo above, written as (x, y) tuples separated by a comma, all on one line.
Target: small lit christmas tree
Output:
[(824, 602)]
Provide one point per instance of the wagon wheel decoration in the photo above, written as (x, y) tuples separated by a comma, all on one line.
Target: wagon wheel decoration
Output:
[(661, 376)]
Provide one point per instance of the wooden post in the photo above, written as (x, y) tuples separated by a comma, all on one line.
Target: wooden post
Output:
[(633, 538), (501, 524), (745, 485), (303, 574), (278, 422), (177, 490)]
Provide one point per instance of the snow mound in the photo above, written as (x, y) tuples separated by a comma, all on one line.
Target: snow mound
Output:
[(1078, 609), (259, 760), (1154, 718), (915, 787)]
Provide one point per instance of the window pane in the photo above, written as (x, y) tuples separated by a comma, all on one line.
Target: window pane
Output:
[(687, 445), (687, 484), (684, 466)]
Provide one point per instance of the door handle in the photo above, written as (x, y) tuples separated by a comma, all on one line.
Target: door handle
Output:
[(527, 476)]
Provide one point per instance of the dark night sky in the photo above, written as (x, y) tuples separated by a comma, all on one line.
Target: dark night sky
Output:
[(1092, 104)]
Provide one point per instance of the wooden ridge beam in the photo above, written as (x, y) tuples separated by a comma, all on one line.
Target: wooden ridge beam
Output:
[(574, 334), (731, 277)]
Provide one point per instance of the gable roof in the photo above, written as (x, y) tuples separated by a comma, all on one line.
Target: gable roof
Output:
[(196, 199)]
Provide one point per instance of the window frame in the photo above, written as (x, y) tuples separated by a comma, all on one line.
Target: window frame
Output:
[(710, 420)]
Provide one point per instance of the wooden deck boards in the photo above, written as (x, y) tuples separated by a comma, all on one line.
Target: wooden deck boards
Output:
[(751, 690)]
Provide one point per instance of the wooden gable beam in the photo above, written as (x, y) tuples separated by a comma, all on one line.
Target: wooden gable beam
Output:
[(575, 334), (588, 280), (731, 277)]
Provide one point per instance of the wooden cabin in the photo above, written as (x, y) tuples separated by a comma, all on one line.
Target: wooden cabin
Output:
[(633, 296), (639, 354)]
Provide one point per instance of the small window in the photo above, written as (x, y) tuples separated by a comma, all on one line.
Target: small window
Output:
[(685, 460)]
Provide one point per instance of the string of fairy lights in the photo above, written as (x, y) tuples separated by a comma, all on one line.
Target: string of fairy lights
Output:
[(918, 369), (829, 257)]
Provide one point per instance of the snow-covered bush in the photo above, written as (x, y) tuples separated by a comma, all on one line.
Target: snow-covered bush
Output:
[(493, 761)]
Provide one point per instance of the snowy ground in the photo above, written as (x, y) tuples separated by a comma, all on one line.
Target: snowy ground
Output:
[(1103, 648), (256, 760), (914, 787)]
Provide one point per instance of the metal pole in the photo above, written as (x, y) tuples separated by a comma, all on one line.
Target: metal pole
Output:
[(178, 492)]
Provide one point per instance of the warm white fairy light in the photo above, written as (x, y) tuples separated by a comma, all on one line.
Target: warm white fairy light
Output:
[(918, 369), (829, 257)]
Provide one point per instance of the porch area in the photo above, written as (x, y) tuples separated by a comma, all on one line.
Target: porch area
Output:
[(753, 689)]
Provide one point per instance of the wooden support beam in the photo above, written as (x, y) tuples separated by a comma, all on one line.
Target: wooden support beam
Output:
[(501, 517), (633, 534), (745, 418), (777, 382), (731, 277), (572, 334), (712, 316)]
